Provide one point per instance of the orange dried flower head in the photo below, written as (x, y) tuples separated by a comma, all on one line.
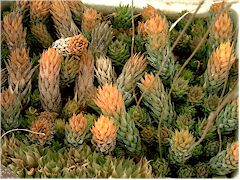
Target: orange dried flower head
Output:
[(137, 62), (19, 56), (233, 151), (48, 81), (77, 44), (19, 68), (7, 98), (220, 58), (151, 83), (156, 25), (223, 28), (78, 123), (157, 32), (216, 7), (110, 100), (50, 62), (142, 29), (85, 78), (39, 10), (183, 140), (42, 125), (62, 18), (14, 32), (90, 19), (104, 134), (149, 12), (148, 80)]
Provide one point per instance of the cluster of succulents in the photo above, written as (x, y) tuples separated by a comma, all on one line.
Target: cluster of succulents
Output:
[(92, 95)]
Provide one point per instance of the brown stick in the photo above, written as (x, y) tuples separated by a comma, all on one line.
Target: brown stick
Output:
[(133, 31)]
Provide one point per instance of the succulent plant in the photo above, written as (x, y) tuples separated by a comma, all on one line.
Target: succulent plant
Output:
[(60, 128), (62, 19), (123, 17), (218, 66), (51, 164), (185, 122), (40, 31), (77, 9), (119, 52), (186, 171), (69, 70), (211, 102), (180, 88), (10, 109), (180, 144), (222, 30), (84, 89), (110, 100), (154, 97), (148, 134), (160, 168), (226, 161), (104, 134), (25, 160), (149, 11), (43, 130), (131, 73), (104, 71), (198, 151), (39, 11), (20, 70), (70, 108), (76, 158), (101, 37), (201, 170), (9, 146), (90, 18), (76, 129), (129, 135), (228, 118), (201, 125), (156, 29), (49, 79), (183, 44), (13, 30), (139, 115), (195, 94), (198, 29), (211, 148)]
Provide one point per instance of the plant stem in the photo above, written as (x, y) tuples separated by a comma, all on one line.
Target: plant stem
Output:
[(12, 130), (133, 30)]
